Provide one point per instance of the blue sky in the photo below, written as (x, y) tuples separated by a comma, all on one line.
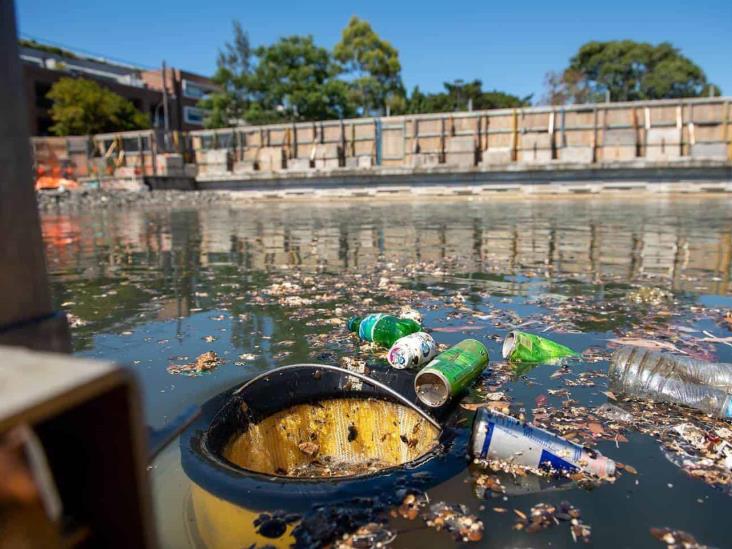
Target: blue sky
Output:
[(509, 45)]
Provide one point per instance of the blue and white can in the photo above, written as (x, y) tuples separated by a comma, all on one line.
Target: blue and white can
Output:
[(500, 437), (412, 350)]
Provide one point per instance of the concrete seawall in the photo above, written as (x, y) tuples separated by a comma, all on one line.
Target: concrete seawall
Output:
[(686, 176), (680, 144)]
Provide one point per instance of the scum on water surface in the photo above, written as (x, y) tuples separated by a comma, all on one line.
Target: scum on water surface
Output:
[(158, 287)]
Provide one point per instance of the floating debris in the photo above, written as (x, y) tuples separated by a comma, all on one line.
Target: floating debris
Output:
[(545, 515), (676, 539), (650, 296), (455, 519), (412, 506), (369, 536), (204, 363)]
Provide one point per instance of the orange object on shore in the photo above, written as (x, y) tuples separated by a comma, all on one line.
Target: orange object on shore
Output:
[(52, 183)]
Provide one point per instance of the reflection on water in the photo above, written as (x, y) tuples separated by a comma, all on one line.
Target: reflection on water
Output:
[(153, 286), (178, 255)]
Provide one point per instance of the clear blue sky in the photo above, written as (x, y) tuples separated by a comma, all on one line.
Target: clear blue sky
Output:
[(509, 45)]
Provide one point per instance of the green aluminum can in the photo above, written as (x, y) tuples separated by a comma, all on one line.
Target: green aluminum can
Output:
[(523, 347), (450, 372)]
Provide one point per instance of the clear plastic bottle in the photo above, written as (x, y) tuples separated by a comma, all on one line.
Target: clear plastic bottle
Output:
[(665, 377)]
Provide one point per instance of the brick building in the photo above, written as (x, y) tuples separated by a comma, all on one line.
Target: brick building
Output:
[(43, 66)]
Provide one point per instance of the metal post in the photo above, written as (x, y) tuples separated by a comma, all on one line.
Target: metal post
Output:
[(26, 316)]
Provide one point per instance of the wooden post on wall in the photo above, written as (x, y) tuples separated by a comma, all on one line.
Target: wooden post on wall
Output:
[(727, 132), (594, 134), (26, 316), (514, 136)]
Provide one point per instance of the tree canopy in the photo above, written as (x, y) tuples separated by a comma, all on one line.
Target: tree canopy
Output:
[(626, 70), (82, 107), (296, 80), (462, 96), (233, 67), (373, 66)]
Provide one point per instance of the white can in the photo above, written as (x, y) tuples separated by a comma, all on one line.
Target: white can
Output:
[(412, 350)]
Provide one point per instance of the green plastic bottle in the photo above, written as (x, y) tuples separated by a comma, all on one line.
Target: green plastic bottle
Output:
[(382, 329)]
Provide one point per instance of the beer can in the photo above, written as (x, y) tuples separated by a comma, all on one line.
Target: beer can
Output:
[(450, 372), (501, 437), (412, 350)]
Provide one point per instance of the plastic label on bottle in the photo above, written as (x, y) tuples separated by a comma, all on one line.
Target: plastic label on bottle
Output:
[(368, 325)]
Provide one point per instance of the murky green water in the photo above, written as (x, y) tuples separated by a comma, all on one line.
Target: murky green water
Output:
[(151, 287)]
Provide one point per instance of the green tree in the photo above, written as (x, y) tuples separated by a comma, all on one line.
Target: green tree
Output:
[(626, 70), (82, 107), (295, 80), (373, 67), (233, 69), (460, 96)]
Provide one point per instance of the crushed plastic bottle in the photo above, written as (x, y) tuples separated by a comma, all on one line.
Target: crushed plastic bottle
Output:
[(523, 347), (412, 350), (501, 437), (664, 377), (382, 328)]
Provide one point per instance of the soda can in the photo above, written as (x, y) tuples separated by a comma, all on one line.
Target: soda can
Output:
[(450, 372), (523, 347), (412, 350), (501, 437)]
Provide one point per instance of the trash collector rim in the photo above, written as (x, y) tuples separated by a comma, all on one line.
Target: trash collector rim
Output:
[(204, 464)]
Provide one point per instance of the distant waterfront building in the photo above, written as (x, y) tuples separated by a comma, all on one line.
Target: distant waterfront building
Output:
[(43, 66)]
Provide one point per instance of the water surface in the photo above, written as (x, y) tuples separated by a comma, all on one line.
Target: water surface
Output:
[(154, 286)]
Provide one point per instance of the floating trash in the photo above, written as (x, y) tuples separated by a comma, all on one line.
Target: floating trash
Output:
[(382, 328), (546, 515), (667, 378), (451, 372), (204, 363), (524, 347), (412, 350), (501, 437), (455, 519)]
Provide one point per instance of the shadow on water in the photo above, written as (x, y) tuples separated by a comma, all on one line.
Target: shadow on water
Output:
[(153, 286)]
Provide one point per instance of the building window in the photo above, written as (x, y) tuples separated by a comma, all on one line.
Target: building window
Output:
[(195, 90), (194, 116)]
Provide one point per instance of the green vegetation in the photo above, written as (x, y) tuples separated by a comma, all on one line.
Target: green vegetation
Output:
[(45, 47), (294, 79), (82, 107), (372, 67), (626, 70), (461, 96), (233, 68)]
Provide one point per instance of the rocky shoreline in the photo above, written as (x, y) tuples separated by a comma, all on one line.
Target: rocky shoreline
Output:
[(120, 199)]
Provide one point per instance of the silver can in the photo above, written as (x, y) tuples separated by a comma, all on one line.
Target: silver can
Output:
[(412, 350), (502, 437)]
